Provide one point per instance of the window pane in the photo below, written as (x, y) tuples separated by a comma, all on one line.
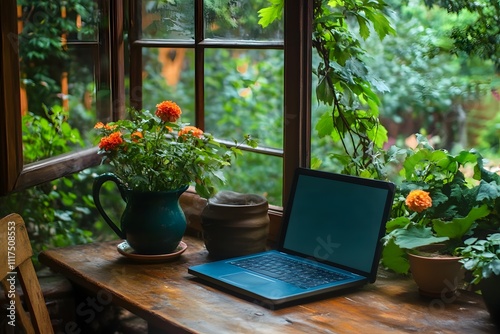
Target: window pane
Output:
[(258, 174), (84, 21), (244, 95), (238, 19), (169, 75), (58, 82), (168, 19)]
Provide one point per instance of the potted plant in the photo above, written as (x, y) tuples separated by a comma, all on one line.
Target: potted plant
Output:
[(155, 157), (482, 258), (437, 204)]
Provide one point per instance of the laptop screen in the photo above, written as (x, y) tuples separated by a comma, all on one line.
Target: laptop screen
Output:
[(337, 218)]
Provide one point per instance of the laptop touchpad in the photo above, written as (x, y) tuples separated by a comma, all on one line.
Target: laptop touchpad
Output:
[(246, 279)]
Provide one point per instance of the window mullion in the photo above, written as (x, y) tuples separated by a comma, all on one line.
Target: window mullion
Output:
[(297, 120), (199, 63)]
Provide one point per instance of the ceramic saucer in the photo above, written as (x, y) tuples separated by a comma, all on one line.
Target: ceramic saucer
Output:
[(127, 251)]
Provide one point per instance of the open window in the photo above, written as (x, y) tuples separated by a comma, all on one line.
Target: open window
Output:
[(173, 48)]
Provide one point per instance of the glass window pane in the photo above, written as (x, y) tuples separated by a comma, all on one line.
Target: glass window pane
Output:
[(244, 95), (82, 20), (169, 75), (168, 19), (57, 95), (258, 174), (238, 19)]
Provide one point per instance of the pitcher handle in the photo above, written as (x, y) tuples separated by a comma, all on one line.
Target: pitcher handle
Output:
[(96, 188)]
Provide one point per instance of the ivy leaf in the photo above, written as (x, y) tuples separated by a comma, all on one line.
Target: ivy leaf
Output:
[(364, 30), (269, 14), (324, 127), (380, 23)]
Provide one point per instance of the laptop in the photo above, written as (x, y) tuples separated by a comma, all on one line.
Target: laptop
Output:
[(330, 241)]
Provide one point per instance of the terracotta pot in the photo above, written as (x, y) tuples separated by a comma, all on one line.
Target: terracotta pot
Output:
[(235, 224), (436, 276)]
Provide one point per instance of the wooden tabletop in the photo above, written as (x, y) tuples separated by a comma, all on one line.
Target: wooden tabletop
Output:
[(169, 298)]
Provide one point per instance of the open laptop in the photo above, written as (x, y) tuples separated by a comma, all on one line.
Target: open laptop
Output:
[(332, 224)]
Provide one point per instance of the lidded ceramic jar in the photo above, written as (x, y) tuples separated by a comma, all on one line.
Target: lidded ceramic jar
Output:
[(235, 224)]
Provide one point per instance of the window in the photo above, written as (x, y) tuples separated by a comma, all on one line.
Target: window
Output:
[(55, 66), (174, 52)]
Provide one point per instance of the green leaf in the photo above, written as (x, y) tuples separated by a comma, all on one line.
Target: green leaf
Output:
[(458, 227), (324, 127), (395, 258), (416, 236), (364, 30), (488, 191), (495, 267), (269, 14)]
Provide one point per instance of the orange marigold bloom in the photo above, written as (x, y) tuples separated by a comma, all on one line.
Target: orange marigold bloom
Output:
[(193, 130), (111, 142), (136, 136), (418, 200), (168, 111), (101, 125)]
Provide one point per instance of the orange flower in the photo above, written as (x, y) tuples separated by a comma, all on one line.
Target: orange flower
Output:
[(111, 142), (168, 111), (418, 200), (101, 125), (193, 130), (136, 136)]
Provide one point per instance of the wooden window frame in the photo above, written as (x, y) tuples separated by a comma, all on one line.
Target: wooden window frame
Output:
[(14, 174), (297, 98)]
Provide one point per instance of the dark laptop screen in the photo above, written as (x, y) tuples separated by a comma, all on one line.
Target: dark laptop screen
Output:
[(339, 219)]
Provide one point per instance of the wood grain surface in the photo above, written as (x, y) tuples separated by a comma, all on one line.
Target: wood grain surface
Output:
[(173, 301)]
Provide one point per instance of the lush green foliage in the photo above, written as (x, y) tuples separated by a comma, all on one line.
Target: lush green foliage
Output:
[(57, 213), (482, 256), (44, 58), (344, 82), (480, 36), (155, 152), (48, 136), (460, 203)]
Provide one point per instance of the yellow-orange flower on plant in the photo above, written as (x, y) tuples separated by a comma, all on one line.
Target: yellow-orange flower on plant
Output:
[(101, 125), (111, 142), (418, 200), (193, 130), (136, 136), (168, 111)]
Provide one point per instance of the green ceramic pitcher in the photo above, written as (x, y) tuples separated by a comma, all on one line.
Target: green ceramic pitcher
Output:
[(152, 223)]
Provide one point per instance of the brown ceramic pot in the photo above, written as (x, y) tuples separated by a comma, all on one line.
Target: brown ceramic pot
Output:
[(235, 224), (436, 276)]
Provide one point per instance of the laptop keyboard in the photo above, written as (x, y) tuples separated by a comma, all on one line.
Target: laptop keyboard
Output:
[(289, 270)]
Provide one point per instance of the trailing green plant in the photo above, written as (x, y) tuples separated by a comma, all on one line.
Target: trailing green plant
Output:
[(345, 83), (481, 256)]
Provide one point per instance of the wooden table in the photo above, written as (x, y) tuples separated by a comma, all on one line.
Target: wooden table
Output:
[(173, 301)]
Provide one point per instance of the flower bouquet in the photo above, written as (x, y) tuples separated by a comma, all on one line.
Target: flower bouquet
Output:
[(155, 157), (157, 152)]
